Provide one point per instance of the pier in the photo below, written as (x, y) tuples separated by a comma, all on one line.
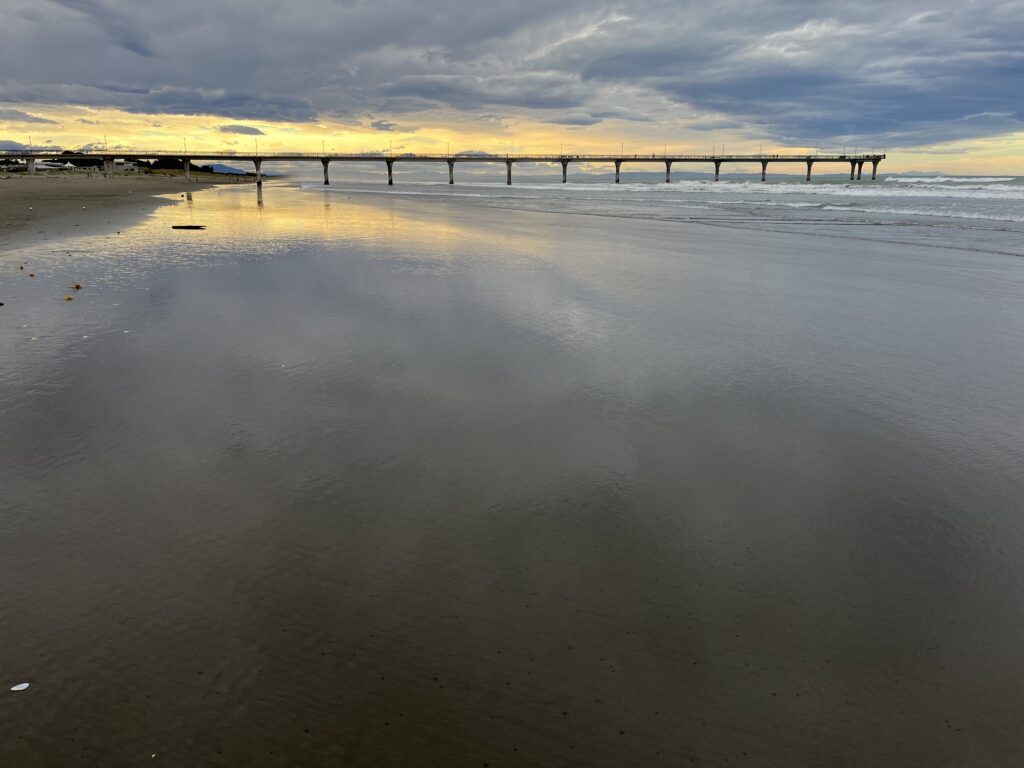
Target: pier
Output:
[(855, 162)]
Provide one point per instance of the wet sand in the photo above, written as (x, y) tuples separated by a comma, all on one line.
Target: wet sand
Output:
[(50, 206), (377, 482)]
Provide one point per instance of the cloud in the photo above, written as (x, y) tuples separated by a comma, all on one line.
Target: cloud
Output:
[(577, 118), (17, 116), (781, 70), (115, 23), (464, 91), (247, 130), (220, 101)]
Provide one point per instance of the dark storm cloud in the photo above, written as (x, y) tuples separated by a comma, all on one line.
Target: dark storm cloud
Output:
[(114, 23), (247, 130), (540, 90), (578, 119), (790, 70), (17, 116)]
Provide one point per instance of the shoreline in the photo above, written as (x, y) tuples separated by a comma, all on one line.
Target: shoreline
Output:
[(43, 208)]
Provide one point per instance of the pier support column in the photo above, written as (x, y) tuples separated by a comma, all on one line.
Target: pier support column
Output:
[(853, 170), (764, 170), (259, 173), (874, 169), (108, 167), (718, 167), (327, 178), (860, 168), (668, 171), (618, 166), (187, 165), (451, 171), (809, 164), (508, 172), (30, 166), (565, 168), (391, 178)]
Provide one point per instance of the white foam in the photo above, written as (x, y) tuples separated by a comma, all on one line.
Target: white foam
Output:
[(924, 212), (948, 179)]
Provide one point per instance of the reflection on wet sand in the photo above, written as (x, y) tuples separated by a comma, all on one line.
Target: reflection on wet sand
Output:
[(354, 480)]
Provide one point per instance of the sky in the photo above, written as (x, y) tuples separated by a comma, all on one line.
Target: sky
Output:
[(938, 85)]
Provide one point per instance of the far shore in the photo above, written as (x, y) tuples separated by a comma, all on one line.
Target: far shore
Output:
[(49, 205)]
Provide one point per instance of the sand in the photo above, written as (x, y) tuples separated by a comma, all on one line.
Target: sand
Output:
[(385, 481), (49, 206)]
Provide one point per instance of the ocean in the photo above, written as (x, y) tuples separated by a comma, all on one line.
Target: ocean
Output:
[(975, 212), (548, 475)]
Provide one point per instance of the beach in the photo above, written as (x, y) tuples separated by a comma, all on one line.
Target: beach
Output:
[(565, 479), (49, 206)]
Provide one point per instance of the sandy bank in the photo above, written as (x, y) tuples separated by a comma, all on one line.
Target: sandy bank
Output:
[(45, 207)]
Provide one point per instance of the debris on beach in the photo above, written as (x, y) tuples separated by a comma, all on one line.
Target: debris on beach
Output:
[(188, 226), (1, 303), (19, 687), (69, 298), (21, 266), (31, 274), (76, 286)]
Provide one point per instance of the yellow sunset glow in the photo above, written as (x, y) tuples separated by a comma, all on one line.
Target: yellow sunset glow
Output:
[(73, 127)]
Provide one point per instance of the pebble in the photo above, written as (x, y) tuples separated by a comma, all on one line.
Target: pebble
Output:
[(19, 687)]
